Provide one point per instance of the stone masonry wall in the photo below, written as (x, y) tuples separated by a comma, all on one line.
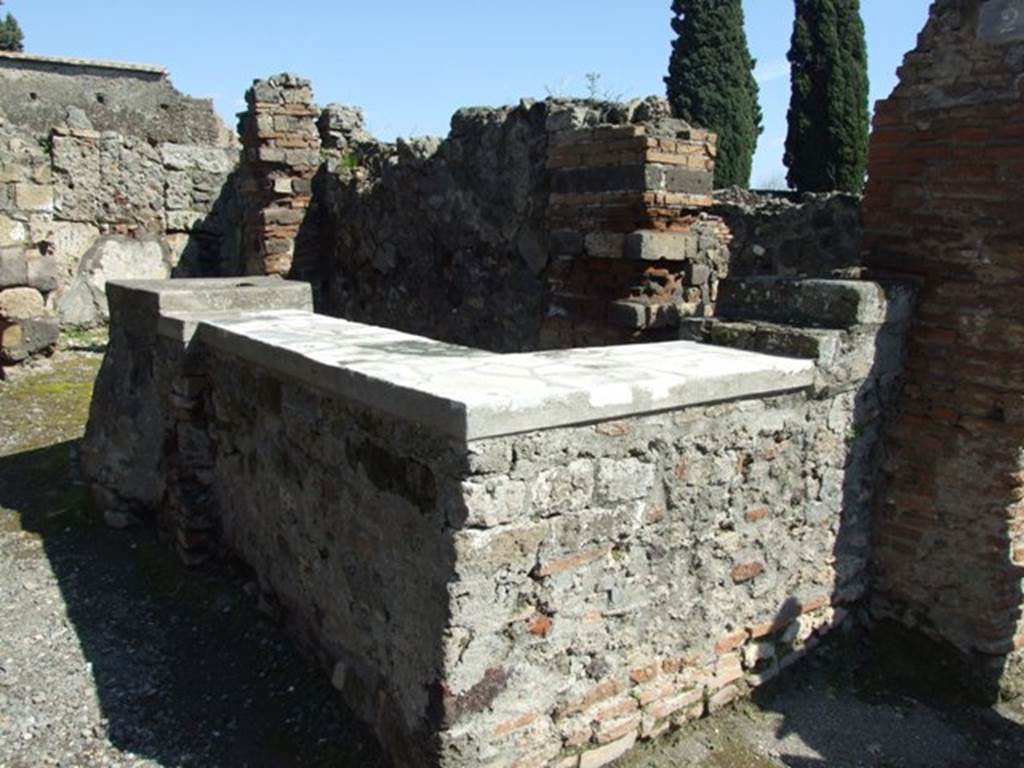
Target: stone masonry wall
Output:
[(657, 568), (549, 225), (543, 598), (791, 234), (943, 205), (105, 172)]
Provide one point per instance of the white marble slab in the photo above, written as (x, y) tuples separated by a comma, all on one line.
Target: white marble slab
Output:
[(472, 394)]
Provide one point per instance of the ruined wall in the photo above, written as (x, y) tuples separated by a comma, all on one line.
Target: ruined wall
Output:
[(444, 238), (549, 225), (105, 172), (791, 234), (943, 205)]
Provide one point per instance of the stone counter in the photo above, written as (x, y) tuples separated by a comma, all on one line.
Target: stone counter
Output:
[(502, 560), (470, 394)]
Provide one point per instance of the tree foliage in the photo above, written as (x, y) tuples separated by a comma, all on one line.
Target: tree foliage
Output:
[(827, 142), (11, 38), (711, 82)]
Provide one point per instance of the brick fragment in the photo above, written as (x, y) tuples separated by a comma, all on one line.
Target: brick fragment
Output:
[(731, 641), (746, 571), (575, 560), (596, 758), (755, 514), (515, 724), (615, 729), (603, 690)]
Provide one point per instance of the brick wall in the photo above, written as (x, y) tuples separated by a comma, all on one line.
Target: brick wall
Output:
[(281, 155), (944, 204), (634, 251)]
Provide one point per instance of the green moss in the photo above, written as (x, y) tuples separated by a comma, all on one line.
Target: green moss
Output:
[(49, 406)]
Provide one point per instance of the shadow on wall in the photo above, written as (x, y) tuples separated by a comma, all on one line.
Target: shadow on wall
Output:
[(449, 239), (214, 247), (186, 671)]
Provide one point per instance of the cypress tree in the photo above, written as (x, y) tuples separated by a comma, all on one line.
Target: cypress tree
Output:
[(10, 34), (827, 142), (711, 82)]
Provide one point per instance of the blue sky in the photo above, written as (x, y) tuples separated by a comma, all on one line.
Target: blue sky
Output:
[(411, 64)]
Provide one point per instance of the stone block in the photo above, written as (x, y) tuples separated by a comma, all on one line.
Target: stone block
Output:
[(283, 216), (43, 272), (24, 338), (111, 258), (271, 155), (603, 245), (10, 170), (814, 302), (12, 231), (34, 197), (185, 157), (628, 314), (13, 267), (21, 303), (178, 191), (67, 241), (649, 245)]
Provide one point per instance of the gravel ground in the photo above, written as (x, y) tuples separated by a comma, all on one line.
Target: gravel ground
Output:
[(113, 654)]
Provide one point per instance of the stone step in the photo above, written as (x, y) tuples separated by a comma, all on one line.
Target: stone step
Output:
[(818, 344), (817, 303)]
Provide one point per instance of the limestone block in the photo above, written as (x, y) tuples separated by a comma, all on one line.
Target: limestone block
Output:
[(184, 157), (13, 269), (9, 170), (21, 303), (33, 197), (43, 272), (67, 241), (12, 231), (112, 258)]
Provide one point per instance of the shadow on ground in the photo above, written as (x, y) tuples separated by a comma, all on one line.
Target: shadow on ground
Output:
[(884, 701), (186, 671)]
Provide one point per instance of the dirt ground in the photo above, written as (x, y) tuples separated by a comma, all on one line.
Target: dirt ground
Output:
[(113, 654)]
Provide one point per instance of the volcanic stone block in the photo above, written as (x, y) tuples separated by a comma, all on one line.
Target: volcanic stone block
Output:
[(24, 338), (644, 178), (821, 303)]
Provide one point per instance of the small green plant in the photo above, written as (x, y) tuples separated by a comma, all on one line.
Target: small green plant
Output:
[(349, 160), (855, 431)]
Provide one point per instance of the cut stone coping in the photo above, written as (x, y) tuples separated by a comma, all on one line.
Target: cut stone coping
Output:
[(67, 61), (470, 394), (177, 305)]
